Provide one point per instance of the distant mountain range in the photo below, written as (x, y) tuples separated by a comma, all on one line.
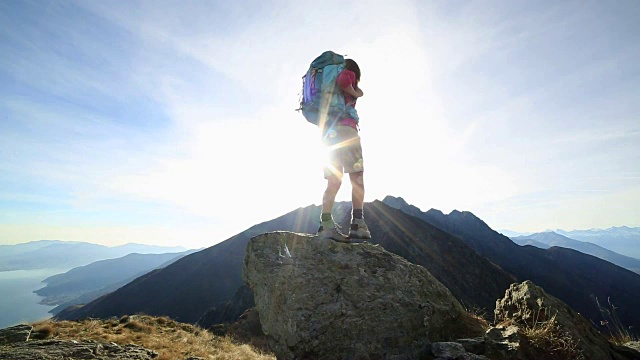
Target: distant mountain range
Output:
[(548, 239), (510, 234), (475, 262), (623, 239), (83, 284), (56, 254)]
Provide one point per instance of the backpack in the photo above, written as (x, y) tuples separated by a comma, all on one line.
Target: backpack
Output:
[(321, 102)]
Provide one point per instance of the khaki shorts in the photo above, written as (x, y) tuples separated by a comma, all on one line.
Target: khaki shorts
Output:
[(345, 151)]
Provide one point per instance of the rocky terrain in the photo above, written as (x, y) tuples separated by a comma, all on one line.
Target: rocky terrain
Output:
[(327, 300), (136, 337)]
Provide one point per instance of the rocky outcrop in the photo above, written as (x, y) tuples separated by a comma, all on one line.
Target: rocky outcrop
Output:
[(18, 333), (77, 350), (328, 300), (551, 328), (635, 345), (15, 345)]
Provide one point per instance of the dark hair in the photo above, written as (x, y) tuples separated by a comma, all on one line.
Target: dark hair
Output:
[(350, 64)]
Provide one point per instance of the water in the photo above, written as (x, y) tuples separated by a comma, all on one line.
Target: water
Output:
[(18, 303)]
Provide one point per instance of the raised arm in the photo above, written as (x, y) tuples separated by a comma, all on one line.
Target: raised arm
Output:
[(353, 92)]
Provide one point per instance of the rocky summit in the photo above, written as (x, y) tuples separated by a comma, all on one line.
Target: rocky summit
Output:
[(319, 299)]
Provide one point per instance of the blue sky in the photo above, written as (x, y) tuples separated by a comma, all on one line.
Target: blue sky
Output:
[(172, 122)]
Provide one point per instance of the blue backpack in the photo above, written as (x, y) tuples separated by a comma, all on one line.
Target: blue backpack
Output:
[(321, 101)]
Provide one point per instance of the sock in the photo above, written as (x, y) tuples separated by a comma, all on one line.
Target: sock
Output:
[(357, 213), (326, 221)]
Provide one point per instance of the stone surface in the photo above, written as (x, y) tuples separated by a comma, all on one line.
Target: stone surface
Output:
[(503, 342), (527, 304), (453, 351), (634, 345), (504, 339), (475, 345), (327, 300), (447, 350), (629, 352), (76, 350), (18, 333)]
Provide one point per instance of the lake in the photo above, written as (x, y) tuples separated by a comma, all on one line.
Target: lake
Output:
[(18, 302)]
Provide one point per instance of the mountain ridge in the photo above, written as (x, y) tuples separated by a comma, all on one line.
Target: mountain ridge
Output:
[(186, 289), (576, 278)]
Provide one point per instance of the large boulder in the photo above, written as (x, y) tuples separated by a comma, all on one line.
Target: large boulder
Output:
[(327, 300), (552, 329)]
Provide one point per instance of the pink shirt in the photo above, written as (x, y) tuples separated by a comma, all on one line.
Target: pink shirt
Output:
[(345, 79)]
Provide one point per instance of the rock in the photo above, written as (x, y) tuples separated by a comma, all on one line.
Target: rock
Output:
[(453, 351), (475, 345), (509, 336), (633, 344), (447, 350), (527, 306), (503, 342), (327, 300), (18, 333), (629, 352), (77, 350)]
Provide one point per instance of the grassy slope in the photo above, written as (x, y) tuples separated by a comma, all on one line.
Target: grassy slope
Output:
[(170, 339)]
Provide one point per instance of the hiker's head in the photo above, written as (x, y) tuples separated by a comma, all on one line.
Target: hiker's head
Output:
[(350, 64)]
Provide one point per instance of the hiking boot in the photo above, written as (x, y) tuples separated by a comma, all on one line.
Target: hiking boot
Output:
[(359, 230), (332, 233)]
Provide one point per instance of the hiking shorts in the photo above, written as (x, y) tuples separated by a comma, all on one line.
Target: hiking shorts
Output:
[(345, 151)]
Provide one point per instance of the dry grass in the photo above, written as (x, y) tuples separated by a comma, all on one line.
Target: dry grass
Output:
[(170, 339), (479, 316), (548, 337), (466, 325), (618, 333)]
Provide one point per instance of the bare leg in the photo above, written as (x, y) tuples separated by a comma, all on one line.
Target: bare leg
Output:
[(357, 189), (329, 197)]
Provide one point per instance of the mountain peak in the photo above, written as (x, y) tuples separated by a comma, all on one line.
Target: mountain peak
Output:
[(395, 202)]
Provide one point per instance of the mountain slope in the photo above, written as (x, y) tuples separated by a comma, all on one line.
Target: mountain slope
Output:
[(85, 283), (550, 238), (186, 289), (569, 275)]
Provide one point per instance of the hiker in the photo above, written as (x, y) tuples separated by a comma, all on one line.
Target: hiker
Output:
[(345, 156)]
